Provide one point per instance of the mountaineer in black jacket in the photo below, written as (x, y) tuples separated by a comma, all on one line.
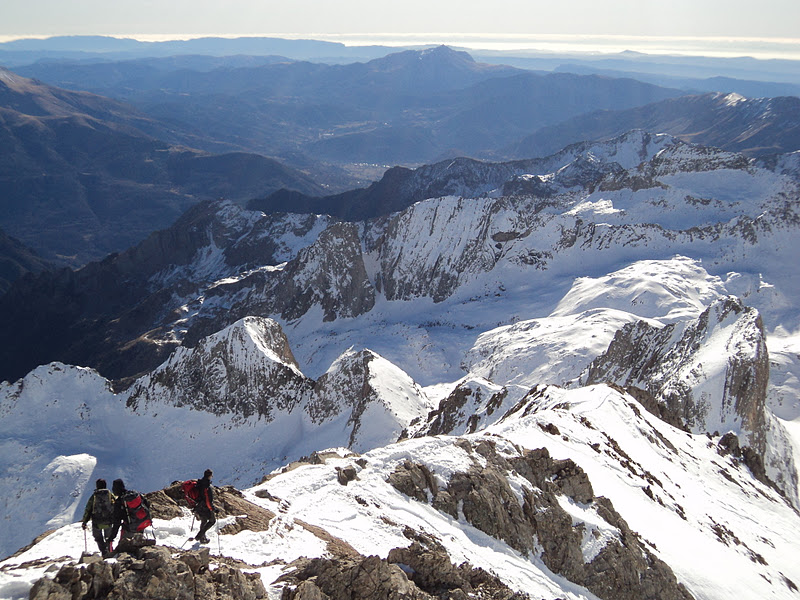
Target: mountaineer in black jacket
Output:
[(131, 511), (204, 509)]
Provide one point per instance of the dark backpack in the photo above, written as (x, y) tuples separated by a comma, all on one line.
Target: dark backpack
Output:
[(191, 493), (102, 508), (138, 512)]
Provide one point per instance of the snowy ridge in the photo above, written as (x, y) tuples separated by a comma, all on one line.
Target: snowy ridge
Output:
[(676, 490), (237, 401), (372, 398)]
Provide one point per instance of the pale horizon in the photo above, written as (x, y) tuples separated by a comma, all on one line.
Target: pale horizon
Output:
[(711, 27), (710, 46)]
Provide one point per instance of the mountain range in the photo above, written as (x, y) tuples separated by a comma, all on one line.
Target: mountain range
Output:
[(568, 376), (331, 124), (408, 107), (656, 267), (754, 126), (82, 176)]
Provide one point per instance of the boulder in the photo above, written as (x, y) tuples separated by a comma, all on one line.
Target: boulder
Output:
[(150, 572)]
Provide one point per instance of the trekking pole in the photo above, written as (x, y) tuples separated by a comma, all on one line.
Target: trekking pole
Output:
[(85, 543), (219, 544)]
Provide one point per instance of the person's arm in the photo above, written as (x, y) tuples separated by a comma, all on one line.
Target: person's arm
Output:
[(87, 512)]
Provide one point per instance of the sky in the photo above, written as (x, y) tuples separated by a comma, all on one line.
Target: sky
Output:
[(363, 21)]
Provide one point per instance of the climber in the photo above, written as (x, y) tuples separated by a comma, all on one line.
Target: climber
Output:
[(100, 510), (204, 509), (131, 511)]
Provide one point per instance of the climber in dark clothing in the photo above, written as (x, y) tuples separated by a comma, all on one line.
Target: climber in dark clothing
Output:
[(131, 511), (100, 510), (204, 509)]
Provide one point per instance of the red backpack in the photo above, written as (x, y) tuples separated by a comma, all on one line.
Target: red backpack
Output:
[(190, 492), (138, 512)]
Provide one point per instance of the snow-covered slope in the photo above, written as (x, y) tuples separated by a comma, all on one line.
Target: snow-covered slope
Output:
[(235, 402), (681, 494), (639, 266)]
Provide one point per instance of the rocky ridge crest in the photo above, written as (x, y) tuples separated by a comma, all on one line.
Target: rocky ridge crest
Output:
[(610, 560)]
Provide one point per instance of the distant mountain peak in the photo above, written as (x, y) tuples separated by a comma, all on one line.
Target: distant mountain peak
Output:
[(446, 52)]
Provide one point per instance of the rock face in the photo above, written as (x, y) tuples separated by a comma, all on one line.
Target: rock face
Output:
[(246, 369), (150, 572), (610, 560), (708, 375), (330, 274), (367, 394), (422, 571), (473, 403)]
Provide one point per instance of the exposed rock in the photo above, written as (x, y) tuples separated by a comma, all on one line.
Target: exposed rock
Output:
[(431, 570), (246, 369), (464, 408), (422, 571), (134, 544), (228, 500), (414, 480), (535, 523), (346, 474), (367, 578), (668, 364), (331, 274), (729, 444), (164, 505), (150, 573)]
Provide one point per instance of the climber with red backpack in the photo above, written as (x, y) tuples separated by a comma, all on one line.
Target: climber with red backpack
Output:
[(131, 511), (202, 496)]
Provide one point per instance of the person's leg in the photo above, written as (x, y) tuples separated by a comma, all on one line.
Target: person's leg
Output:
[(107, 539), (102, 537), (207, 520), (201, 533)]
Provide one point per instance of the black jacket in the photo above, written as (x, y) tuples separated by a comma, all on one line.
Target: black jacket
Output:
[(206, 502)]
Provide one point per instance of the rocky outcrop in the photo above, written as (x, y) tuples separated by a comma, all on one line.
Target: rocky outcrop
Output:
[(246, 369), (169, 502), (150, 572), (708, 375), (360, 388), (473, 403), (421, 571), (609, 560)]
